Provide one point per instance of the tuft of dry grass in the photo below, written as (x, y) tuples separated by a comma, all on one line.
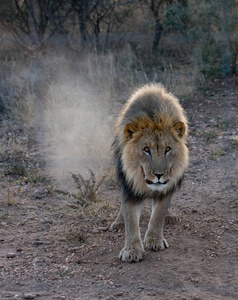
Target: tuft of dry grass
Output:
[(179, 81), (87, 187), (76, 237), (12, 197)]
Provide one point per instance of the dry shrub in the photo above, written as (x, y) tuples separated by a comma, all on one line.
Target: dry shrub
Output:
[(87, 187), (12, 196)]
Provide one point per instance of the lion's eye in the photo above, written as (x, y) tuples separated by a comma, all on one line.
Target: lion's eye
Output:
[(167, 149), (147, 150)]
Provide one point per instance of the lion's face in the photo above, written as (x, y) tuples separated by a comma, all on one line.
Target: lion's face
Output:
[(154, 160)]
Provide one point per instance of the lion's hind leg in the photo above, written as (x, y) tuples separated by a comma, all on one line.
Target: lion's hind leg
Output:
[(118, 223), (172, 219)]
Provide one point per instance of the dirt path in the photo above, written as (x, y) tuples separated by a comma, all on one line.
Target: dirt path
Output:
[(47, 254)]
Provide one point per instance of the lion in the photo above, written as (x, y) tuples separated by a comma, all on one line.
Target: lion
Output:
[(151, 156)]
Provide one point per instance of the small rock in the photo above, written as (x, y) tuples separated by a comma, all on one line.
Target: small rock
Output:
[(95, 230), (29, 296), (68, 260), (119, 294), (102, 228), (38, 243), (46, 221), (11, 255)]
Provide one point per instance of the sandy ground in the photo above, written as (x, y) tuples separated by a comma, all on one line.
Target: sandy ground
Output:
[(49, 250)]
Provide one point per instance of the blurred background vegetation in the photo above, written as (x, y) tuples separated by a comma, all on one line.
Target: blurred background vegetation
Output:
[(67, 66), (113, 46)]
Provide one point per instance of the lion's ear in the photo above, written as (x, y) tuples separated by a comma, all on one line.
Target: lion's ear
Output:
[(129, 130), (179, 128)]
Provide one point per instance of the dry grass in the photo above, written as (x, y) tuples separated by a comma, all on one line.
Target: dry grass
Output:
[(87, 187), (10, 197), (180, 82), (17, 86), (30, 82), (72, 102)]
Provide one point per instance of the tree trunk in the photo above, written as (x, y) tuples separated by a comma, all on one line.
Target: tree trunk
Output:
[(234, 59), (96, 32), (33, 13), (157, 36), (83, 34)]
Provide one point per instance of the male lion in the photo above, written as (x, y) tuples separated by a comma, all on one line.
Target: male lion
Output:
[(151, 155)]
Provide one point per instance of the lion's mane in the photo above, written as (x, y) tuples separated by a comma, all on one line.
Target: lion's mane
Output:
[(149, 108)]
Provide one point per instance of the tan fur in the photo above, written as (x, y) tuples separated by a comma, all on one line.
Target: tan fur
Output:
[(151, 153)]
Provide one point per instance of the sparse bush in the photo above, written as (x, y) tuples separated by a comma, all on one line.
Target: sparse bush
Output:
[(87, 187), (175, 16), (217, 154), (33, 23), (16, 168), (77, 237), (213, 28)]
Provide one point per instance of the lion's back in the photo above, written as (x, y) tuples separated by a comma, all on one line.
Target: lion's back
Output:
[(153, 104)]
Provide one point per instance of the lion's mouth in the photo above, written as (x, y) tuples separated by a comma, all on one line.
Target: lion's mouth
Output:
[(149, 182)]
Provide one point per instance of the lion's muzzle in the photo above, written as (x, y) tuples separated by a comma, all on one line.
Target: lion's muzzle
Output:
[(156, 182), (151, 182)]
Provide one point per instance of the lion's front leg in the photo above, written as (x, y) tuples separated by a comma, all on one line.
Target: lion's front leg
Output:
[(133, 249), (154, 237)]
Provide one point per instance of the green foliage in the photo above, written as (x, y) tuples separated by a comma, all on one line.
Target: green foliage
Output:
[(210, 54), (34, 178), (234, 144), (208, 135), (19, 170), (217, 154), (77, 237), (16, 168), (218, 123), (213, 28), (175, 17)]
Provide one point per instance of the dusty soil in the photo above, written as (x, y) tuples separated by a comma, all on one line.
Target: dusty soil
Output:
[(48, 251)]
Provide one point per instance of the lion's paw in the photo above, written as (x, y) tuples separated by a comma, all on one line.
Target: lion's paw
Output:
[(156, 244), (172, 219), (131, 255), (116, 226)]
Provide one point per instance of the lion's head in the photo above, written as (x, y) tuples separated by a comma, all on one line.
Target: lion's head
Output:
[(154, 156)]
